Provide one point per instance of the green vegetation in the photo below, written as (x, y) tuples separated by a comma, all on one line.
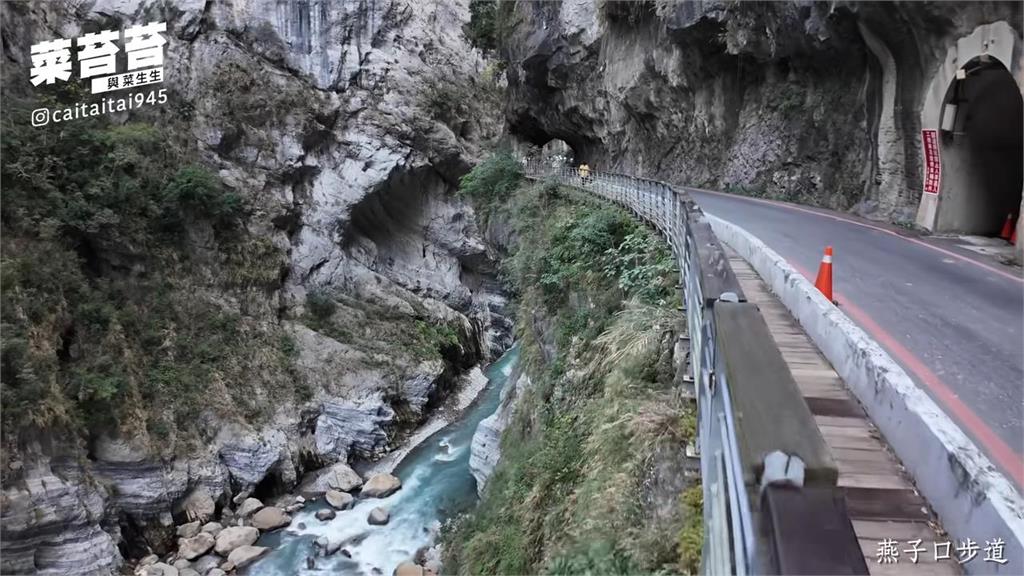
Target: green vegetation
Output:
[(492, 182), (382, 331), (490, 23), (481, 28), (433, 338), (114, 317), (569, 495), (691, 535)]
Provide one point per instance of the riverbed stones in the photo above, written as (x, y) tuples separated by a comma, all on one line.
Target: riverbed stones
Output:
[(336, 477), (188, 530), (270, 518), (233, 537), (194, 547), (216, 572), (325, 514), (339, 500), (160, 569), (293, 508), (212, 528), (198, 504), (245, 555), (381, 486), (249, 507), (181, 563), (206, 563), (188, 572), (408, 569), (148, 560), (379, 516)]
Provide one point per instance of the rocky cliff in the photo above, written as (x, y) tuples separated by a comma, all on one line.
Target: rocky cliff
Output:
[(813, 102), (485, 449), (343, 127)]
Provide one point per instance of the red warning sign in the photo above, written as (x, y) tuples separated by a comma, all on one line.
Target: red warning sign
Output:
[(932, 162)]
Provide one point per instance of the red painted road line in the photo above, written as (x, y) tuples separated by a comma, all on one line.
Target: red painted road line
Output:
[(999, 450), (939, 249)]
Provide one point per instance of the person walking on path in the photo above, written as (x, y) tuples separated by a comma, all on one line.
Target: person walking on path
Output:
[(584, 173)]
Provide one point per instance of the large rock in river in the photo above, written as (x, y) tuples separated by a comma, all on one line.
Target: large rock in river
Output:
[(379, 516), (196, 546), (381, 486), (235, 536), (249, 507), (337, 477), (408, 569), (245, 555), (271, 518), (339, 500)]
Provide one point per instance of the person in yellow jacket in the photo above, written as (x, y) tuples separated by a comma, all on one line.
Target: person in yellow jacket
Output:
[(585, 173)]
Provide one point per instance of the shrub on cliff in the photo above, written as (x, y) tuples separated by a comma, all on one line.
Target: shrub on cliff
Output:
[(114, 317), (492, 181)]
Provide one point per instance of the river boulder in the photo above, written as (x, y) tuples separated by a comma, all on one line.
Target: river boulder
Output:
[(381, 486), (160, 569), (339, 500), (408, 569), (196, 546), (325, 514), (379, 516), (206, 563), (235, 536), (249, 507), (188, 530), (271, 518), (337, 477), (245, 555), (213, 528)]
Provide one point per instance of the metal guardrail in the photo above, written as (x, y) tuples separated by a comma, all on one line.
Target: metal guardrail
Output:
[(758, 442)]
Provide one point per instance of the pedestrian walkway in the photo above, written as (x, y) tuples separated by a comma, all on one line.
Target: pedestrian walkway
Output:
[(882, 500)]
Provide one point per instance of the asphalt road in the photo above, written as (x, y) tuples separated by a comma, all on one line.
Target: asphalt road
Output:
[(951, 317)]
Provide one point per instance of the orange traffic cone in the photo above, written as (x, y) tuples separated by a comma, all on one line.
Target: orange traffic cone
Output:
[(824, 280), (1007, 227)]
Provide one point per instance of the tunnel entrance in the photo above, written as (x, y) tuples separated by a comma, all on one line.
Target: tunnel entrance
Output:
[(558, 152), (981, 150)]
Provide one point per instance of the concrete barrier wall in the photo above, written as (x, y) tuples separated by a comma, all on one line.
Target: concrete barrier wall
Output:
[(971, 497)]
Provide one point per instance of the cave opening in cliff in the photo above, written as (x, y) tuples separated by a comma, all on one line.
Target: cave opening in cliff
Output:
[(557, 151), (981, 150)]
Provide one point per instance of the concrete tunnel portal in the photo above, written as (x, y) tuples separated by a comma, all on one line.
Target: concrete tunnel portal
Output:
[(982, 150)]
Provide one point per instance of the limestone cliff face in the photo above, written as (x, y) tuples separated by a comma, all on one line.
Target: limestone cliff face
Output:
[(485, 448), (334, 120), (815, 102)]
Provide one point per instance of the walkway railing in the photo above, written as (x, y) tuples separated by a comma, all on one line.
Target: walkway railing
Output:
[(771, 505)]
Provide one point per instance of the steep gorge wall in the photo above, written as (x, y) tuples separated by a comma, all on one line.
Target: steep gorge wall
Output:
[(329, 120), (814, 102)]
